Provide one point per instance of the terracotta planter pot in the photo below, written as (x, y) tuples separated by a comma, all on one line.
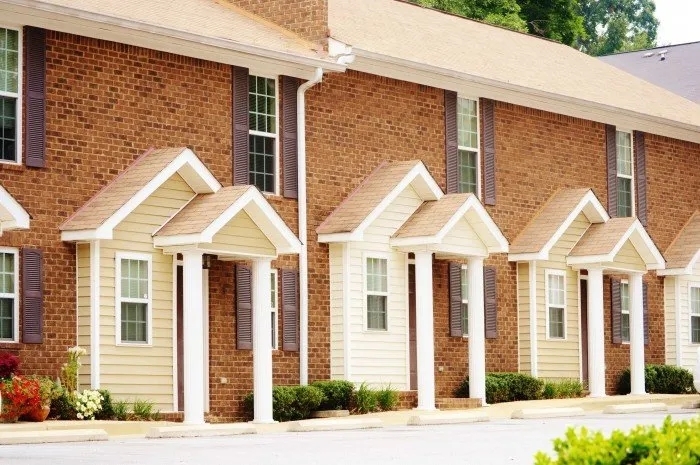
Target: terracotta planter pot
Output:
[(38, 415)]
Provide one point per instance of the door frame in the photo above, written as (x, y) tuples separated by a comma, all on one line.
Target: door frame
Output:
[(582, 332)]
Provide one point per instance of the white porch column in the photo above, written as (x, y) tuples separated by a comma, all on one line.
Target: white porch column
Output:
[(596, 336), (262, 342), (636, 334), (193, 324), (425, 343), (477, 338)]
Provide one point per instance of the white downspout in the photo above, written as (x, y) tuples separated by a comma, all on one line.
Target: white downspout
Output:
[(303, 256)]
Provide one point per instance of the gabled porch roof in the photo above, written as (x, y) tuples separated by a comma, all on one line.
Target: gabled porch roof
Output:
[(12, 214), (684, 252)]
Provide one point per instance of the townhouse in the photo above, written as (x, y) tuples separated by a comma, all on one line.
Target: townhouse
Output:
[(433, 197)]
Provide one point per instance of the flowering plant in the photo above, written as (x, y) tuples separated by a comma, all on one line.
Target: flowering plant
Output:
[(87, 404), (69, 370), (19, 396), (9, 365)]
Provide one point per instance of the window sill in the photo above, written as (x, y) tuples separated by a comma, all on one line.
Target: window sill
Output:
[(11, 166), (134, 344), (8, 343)]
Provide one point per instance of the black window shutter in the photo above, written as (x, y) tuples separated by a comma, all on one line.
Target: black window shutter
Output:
[(290, 310), (290, 86), (33, 295), (490, 303), (35, 106), (645, 305), (455, 278), (488, 127), (451, 152), (244, 308), (640, 158), (611, 150), (616, 310), (241, 162)]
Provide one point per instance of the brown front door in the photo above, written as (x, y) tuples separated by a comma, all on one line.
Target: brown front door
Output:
[(584, 331), (180, 345), (412, 326)]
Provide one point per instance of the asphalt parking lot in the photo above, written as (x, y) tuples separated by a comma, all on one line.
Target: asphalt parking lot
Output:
[(497, 442)]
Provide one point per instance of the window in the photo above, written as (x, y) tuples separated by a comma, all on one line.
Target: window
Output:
[(468, 145), (273, 306), (376, 287), (624, 174), (9, 303), (625, 311), (262, 97), (465, 303), (9, 94), (695, 315), (134, 298), (556, 305)]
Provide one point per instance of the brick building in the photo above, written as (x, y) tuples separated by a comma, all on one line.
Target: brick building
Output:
[(310, 101)]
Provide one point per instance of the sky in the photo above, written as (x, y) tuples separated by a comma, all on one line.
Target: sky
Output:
[(678, 21)]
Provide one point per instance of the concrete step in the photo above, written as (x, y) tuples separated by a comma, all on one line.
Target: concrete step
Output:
[(454, 403)]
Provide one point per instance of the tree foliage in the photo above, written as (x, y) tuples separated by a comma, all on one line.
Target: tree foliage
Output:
[(597, 27)]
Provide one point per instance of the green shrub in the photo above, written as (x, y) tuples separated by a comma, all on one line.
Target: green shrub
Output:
[(120, 409), (107, 411), (660, 379), (63, 406), (562, 389), (387, 398), (365, 399), (142, 410), (506, 387), (674, 443), (289, 403), (338, 394)]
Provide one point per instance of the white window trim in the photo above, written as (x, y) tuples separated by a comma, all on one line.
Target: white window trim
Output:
[(547, 274), (632, 167), (19, 113), (465, 300), (478, 142), (118, 257), (624, 312), (381, 256), (691, 315), (15, 296), (252, 132), (275, 309)]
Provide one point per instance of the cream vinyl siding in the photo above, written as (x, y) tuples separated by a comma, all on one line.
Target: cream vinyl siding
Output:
[(524, 318), (688, 349), (461, 235), (83, 283), (242, 236), (629, 259), (337, 351), (559, 358), (670, 318), (139, 370)]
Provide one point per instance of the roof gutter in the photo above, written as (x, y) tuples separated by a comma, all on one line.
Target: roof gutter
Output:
[(73, 13), (386, 59)]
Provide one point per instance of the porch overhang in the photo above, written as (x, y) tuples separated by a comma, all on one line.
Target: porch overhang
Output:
[(683, 255), (12, 214)]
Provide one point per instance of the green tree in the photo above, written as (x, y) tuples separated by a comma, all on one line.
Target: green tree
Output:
[(618, 25), (505, 13), (559, 20)]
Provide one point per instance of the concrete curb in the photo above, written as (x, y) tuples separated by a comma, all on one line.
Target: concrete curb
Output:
[(330, 414), (447, 419), (197, 431), (45, 437), (691, 405), (554, 412), (335, 425), (635, 408)]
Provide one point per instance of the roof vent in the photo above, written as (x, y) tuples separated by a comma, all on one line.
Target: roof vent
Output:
[(662, 54)]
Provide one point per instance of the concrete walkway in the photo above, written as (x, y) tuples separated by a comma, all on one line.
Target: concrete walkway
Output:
[(373, 420)]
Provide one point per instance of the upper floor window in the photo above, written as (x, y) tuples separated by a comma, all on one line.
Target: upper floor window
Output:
[(625, 200), (262, 95), (625, 311), (377, 292), (468, 145), (695, 314), (465, 302), (9, 304), (9, 94), (556, 305), (134, 298)]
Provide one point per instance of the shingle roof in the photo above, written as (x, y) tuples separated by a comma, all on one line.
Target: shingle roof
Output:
[(686, 245), (197, 215), (498, 56), (203, 19), (546, 222), (432, 216), (122, 188), (678, 71), (366, 197), (601, 238)]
